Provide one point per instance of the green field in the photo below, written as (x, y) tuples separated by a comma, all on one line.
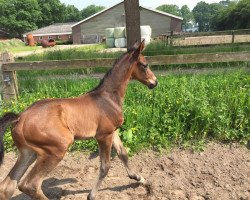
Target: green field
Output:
[(183, 109), (154, 48), (15, 46)]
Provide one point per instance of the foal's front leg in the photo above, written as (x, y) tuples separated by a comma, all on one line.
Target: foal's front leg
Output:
[(105, 145), (123, 155)]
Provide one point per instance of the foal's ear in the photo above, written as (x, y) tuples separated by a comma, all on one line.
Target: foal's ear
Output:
[(136, 45), (142, 45), (138, 48)]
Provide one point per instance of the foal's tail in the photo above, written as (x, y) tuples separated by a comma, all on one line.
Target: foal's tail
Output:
[(5, 121)]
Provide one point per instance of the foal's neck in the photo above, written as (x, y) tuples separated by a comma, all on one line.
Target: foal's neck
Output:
[(116, 83)]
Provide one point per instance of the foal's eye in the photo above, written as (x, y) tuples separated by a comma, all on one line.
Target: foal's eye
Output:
[(145, 66)]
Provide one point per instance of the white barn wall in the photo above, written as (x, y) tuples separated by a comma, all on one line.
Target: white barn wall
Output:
[(115, 17)]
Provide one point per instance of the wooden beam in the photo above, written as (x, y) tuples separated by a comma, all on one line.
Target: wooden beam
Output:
[(108, 62), (132, 14), (9, 84), (1, 78), (58, 64), (199, 58), (214, 33)]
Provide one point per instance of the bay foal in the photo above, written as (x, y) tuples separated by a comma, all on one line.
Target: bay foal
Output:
[(45, 130)]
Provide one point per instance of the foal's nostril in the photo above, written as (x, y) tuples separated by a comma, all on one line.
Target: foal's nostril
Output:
[(151, 85)]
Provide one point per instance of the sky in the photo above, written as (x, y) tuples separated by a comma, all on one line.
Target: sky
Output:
[(80, 4)]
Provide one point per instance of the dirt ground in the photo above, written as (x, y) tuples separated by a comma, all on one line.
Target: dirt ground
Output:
[(220, 172), (41, 50), (215, 39)]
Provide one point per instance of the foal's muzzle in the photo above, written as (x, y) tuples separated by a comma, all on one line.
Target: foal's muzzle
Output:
[(152, 85)]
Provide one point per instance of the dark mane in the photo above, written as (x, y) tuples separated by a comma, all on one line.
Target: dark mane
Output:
[(108, 73)]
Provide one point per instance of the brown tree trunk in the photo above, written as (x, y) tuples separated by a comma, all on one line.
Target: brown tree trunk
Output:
[(132, 13)]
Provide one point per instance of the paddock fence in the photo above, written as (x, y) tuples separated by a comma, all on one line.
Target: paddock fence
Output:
[(206, 38), (9, 68)]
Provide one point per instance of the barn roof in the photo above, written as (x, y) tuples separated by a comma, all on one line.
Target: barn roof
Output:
[(162, 13), (54, 29), (102, 11)]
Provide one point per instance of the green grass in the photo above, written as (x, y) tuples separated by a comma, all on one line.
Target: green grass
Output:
[(15, 46), (182, 109), (85, 52), (23, 49), (155, 48), (159, 48)]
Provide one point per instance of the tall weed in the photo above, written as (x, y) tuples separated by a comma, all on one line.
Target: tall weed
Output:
[(182, 108)]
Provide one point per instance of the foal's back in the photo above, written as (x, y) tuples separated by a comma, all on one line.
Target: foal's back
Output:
[(68, 117)]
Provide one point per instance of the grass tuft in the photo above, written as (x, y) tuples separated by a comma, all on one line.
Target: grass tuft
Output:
[(183, 109)]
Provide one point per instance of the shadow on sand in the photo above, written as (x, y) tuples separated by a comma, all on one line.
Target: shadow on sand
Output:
[(51, 188)]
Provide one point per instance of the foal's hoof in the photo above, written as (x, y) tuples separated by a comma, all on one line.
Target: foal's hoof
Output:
[(142, 180), (90, 197)]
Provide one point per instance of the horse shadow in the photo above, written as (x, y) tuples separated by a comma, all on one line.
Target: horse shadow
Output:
[(51, 188)]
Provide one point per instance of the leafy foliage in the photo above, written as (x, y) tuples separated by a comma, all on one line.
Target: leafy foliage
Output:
[(234, 16), (170, 8), (183, 12), (187, 16), (181, 108), (72, 14), (90, 10), (19, 16), (202, 15), (53, 11), (225, 15)]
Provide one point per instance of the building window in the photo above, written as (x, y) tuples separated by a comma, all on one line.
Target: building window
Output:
[(50, 37), (59, 37), (69, 36), (41, 37)]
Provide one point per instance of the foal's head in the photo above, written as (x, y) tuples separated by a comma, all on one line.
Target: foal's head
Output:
[(140, 68)]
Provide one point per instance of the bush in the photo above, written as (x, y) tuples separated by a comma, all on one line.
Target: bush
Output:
[(182, 108), (63, 42)]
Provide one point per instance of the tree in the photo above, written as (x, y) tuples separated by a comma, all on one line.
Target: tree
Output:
[(202, 15), (241, 15), (53, 11), (225, 3), (215, 8), (132, 13), (19, 16), (233, 16), (170, 8), (90, 10), (216, 22), (72, 14), (187, 16)]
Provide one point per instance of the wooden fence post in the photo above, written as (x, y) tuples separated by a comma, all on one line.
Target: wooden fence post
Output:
[(1, 78), (9, 79), (171, 38), (233, 37)]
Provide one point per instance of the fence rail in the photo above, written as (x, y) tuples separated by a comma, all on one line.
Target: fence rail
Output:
[(8, 68), (214, 33), (206, 38), (107, 62)]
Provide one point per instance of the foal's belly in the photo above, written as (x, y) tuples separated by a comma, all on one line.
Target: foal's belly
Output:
[(85, 130)]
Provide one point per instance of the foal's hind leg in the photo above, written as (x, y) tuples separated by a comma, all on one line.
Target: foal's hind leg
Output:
[(31, 184), (104, 153), (8, 185), (123, 155)]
